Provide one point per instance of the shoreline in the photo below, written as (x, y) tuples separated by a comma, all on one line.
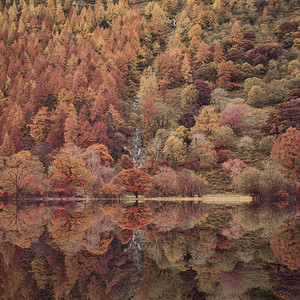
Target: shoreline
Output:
[(219, 199)]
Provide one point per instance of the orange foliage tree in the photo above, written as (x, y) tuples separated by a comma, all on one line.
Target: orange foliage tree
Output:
[(20, 172), (135, 181), (68, 167), (285, 153)]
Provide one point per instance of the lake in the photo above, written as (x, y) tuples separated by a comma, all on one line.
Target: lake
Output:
[(153, 250)]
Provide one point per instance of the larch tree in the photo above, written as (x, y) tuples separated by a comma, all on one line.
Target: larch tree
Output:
[(40, 127), (235, 34), (223, 74), (207, 121), (186, 70), (71, 126), (148, 114), (8, 147)]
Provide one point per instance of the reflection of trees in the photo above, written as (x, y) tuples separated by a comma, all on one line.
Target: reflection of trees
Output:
[(286, 243), (81, 229), (23, 226), (170, 215), (135, 217)]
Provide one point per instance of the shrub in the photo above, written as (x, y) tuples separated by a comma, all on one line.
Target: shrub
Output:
[(187, 119), (164, 183), (205, 91), (255, 94), (287, 27), (262, 53), (293, 94), (266, 144), (110, 191), (189, 184), (246, 143), (249, 181), (224, 155), (234, 167), (224, 137), (232, 116)]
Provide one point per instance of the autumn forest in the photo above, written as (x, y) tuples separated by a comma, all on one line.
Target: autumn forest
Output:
[(168, 98)]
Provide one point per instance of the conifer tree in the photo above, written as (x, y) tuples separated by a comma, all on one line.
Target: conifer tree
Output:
[(72, 126)]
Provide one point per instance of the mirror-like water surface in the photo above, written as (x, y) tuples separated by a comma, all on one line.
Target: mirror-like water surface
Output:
[(155, 250)]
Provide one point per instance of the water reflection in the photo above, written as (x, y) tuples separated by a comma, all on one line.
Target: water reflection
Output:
[(158, 250)]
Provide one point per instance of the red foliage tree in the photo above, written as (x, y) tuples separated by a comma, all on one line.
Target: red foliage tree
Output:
[(135, 181), (287, 27), (232, 116), (293, 94), (187, 119), (126, 162), (286, 114), (205, 91), (285, 153), (262, 53)]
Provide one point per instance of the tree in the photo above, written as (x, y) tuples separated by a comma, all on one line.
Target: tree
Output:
[(187, 119), (175, 149), (148, 114), (249, 181), (20, 172), (189, 96), (224, 137), (186, 70), (263, 53), (285, 115), (204, 92), (287, 27), (204, 155), (8, 147), (127, 162), (40, 125), (223, 74), (207, 121), (235, 34), (72, 126), (135, 181), (232, 116), (256, 93), (285, 153), (69, 168)]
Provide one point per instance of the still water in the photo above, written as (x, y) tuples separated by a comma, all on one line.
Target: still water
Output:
[(157, 250)]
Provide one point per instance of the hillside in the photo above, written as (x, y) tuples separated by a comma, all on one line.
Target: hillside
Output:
[(199, 96)]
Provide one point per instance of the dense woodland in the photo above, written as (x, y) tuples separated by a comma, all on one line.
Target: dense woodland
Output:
[(213, 87)]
